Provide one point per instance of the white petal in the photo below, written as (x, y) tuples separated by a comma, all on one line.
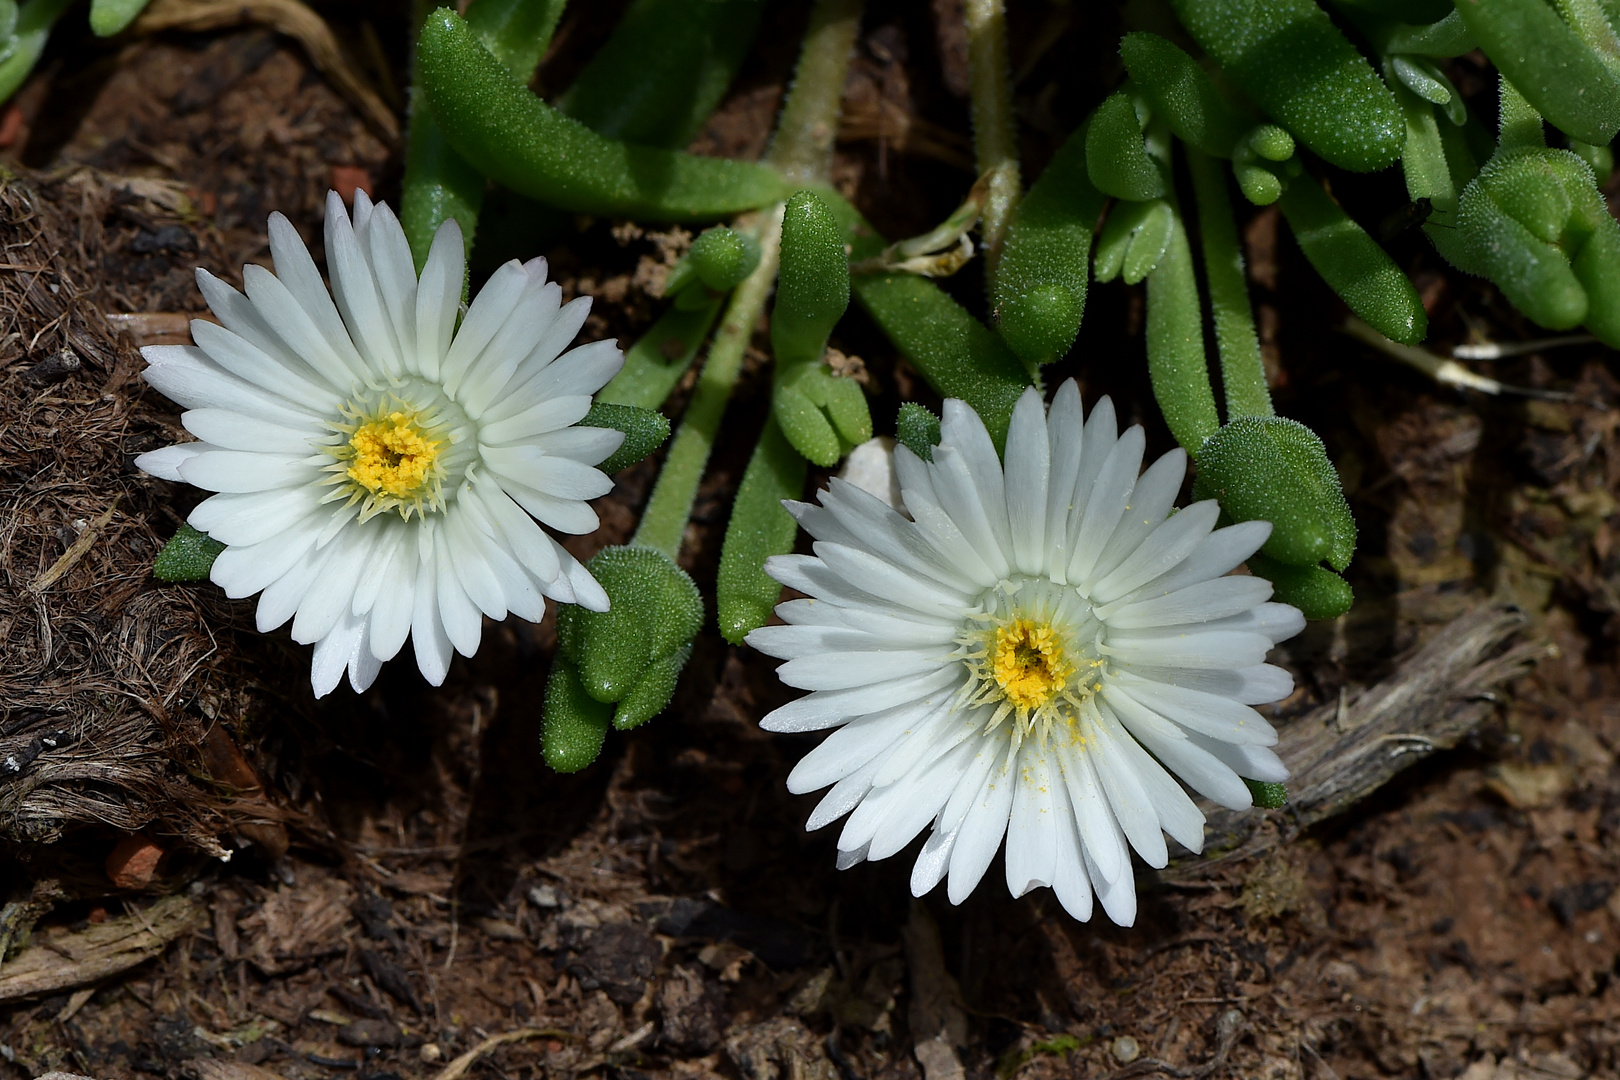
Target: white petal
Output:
[(562, 514), (459, 616), (275, 370), (1218, 553), (1133, 809), (1193, 649), (1070, 882), (587, 445), (1179, 816), (1117, 897), (254, 517), (855, 745), (244, 570), (963, 432), (1105, 505), (472, 569), (550, 414), (334, 653), (1200, 603), (1197, 767), (323, 607), (396, 278), (841, 671), (845, 796), (239, 431), (584, 370), (1207, 714), (559, 477), (1151, 502), (1032, 845), (1254, 762), (932, 862), (983, 827), (395, 603), (438, 298), (829, 708), (354, 287), (186, 375), (490, 309), (962, 501), (1065, 427), (534, 315), (165, 463), (1100, 834), (1029, 466), (427, 630), (238, 470), (300, 282), (919, 801)]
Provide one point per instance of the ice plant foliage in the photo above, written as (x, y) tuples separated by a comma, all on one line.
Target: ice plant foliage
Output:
[(1035, 653), (379, 468)]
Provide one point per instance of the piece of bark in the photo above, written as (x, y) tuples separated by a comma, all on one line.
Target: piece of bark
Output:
[(100, 950), (1340, 754)]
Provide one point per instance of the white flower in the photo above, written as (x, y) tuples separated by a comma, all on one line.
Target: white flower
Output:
[(1026, 657), (378, 466)]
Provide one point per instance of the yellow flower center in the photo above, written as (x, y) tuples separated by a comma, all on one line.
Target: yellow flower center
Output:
[(392, 457), (1032, 656), (1029, 664), (405, 448)]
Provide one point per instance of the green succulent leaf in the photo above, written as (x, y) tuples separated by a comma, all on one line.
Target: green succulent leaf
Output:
[(1117, 161), (1267, 796), (1352, 263), (917, 429), (1292, 62), (720, 258), (189, 556), (1183, 94), (644, 431), (573, 724), (1318, 592), (1039, 292), (439, 184), (489, 116), (1546, 60), (812, 290), (760, 527), (1177, 365), (1269, 468), (108, 17), (1133, 240), (656, 362), (664, 69), (33, 27), (655, 612)]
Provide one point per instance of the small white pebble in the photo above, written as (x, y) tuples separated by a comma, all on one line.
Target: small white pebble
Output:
[(1126, 1050), (430, 1052)]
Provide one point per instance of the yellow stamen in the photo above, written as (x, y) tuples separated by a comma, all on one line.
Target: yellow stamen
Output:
[(1028, 663), (392, 457)]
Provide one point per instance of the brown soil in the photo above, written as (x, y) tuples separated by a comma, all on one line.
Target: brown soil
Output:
[(664, 913)]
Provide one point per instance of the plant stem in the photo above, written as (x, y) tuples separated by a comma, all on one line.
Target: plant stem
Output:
[(995, 142), (802, 148), (1242, 374), (663, 524)]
